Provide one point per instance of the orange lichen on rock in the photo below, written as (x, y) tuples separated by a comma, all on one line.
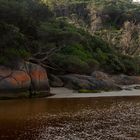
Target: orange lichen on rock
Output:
[(21, 77), (27, 75), (38, 74)]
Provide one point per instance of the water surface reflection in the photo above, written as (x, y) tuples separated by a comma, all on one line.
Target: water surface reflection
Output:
[(74, 119)]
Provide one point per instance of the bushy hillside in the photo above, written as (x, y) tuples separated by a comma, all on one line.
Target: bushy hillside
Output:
[(43, 32), (114, 21)]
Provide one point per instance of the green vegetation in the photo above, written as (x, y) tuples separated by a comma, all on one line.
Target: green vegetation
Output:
[(94, 34), (12, 44), (94, 91), (89, 91)]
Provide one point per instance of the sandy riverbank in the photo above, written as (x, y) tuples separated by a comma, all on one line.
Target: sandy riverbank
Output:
[(67, 93)]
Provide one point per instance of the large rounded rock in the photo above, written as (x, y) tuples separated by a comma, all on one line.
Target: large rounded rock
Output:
[(38, 76), (13, 80), (25, 77), (76, 81), (100, 75)]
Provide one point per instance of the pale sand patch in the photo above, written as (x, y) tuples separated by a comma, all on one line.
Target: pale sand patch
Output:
[(67, 93)]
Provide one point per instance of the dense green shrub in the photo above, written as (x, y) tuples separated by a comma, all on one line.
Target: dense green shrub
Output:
[(114, 64), (70, 64), (132, 65), (77, 50), (12, 44)]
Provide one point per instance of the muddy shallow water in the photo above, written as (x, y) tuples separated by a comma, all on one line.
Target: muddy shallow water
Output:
[(71, 119)]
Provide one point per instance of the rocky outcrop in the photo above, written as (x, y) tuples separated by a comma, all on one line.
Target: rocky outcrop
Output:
[(38, 76), (75, 81), (100, 75), (125, 79), (117, 79), (55, 81), (13, 80), (98, 81), (27, 77)]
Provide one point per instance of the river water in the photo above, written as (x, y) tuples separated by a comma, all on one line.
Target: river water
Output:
[(71, 119)]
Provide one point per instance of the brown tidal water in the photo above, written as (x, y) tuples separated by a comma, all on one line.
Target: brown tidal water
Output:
[(71, 119)]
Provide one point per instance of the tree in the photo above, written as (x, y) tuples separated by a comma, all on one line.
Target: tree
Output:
[(130, 39)]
